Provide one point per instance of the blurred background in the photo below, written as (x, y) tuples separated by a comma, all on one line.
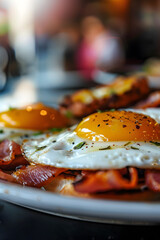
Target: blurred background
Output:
[(57, 44)]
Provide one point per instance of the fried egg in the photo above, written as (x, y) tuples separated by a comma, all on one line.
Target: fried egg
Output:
[(31, 121), (107, 140)]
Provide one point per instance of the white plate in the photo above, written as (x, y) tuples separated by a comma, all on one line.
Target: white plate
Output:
[(79, 208)]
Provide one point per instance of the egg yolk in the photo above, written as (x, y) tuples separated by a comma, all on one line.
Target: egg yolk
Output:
[(119, 126), (34, 117)]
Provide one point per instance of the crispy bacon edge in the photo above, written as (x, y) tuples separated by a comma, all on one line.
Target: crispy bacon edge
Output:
[(101, 181), (152, 178), (32, 175), (152, 101), (11, 155)]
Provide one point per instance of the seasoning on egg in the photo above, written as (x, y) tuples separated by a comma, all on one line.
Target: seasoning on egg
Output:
[(155, 143), (134, 148), (79, 145), (107, 148)]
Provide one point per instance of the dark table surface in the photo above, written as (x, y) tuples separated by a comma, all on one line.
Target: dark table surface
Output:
[(22, 223)]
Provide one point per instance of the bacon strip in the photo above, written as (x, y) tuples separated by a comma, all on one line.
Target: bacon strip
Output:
[(18, 161), (36, 175), (152, 178), (8, 150), (152, 101), (10, 155), (7, 177), (101, 181)]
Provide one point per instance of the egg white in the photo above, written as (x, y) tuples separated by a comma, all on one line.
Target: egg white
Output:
[(61, 151), (18, 135)]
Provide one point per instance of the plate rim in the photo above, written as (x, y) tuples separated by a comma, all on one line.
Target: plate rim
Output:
[(98, 210)]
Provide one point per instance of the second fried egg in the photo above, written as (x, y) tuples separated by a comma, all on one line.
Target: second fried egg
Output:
[(32, 120)]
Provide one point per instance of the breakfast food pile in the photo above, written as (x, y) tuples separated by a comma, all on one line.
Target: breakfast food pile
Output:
[(109, 150), (123, 92)]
